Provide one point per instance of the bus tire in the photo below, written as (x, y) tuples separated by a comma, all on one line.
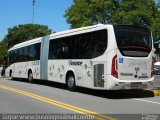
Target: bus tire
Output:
[(11, 74), (71, 84), (30, 77)]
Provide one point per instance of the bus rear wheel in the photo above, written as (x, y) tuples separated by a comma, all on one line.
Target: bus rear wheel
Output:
[(71, 85), (30, 77)]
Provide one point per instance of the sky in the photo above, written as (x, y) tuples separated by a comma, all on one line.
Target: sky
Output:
[(47, 12)]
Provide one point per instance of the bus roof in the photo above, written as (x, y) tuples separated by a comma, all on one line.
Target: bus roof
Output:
[(131, 26), (77, 30), (26, 43)]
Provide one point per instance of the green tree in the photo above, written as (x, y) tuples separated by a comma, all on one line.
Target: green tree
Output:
[(24, 32), (133, 12), (89, 12), (3, 51), (21, 33), (155, 27)]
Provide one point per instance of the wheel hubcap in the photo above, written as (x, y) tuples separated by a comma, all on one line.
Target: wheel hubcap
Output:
[(70, 82), (30, 77)]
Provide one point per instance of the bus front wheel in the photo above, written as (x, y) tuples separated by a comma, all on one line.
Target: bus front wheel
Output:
[(11, 74), (71, 82)]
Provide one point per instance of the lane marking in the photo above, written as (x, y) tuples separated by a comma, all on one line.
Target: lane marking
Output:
[(59, 104), (147, 101)]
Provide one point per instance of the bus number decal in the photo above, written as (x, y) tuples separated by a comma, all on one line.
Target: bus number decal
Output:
[(35, 63), (75, 63)]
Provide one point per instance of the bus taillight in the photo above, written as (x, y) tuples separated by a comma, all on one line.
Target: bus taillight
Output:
[(114, 69)]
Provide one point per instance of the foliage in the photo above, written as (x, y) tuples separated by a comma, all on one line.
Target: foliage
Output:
[(21, 33), (3, 51), (24, 32), (134, 12), (89, 12), (155, 27)]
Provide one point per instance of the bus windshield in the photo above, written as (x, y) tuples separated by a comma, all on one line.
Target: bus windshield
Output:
[(133, 42)]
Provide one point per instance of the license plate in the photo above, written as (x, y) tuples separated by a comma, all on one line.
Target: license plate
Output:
[(136, 85)]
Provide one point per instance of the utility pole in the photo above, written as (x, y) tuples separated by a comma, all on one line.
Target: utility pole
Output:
[(33, 3)]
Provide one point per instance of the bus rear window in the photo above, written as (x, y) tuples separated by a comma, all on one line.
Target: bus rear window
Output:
[(133, 42)]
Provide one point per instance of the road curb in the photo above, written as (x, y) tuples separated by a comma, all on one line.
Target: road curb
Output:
[(156, 92)]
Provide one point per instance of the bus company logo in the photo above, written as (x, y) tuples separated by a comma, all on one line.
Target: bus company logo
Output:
[(75, 63), (126, 74), (35, 62), (131, 64)]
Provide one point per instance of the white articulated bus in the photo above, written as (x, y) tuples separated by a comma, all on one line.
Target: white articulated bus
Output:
[(104, 57)]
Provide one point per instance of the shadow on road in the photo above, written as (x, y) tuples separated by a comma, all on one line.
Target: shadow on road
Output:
[(119, 94), (109, 94)]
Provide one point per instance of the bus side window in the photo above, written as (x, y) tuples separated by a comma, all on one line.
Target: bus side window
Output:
[(26, 54), (37, 51), (51, 50), (99, 42)]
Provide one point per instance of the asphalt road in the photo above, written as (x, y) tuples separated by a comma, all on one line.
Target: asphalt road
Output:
[(43, 97)]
